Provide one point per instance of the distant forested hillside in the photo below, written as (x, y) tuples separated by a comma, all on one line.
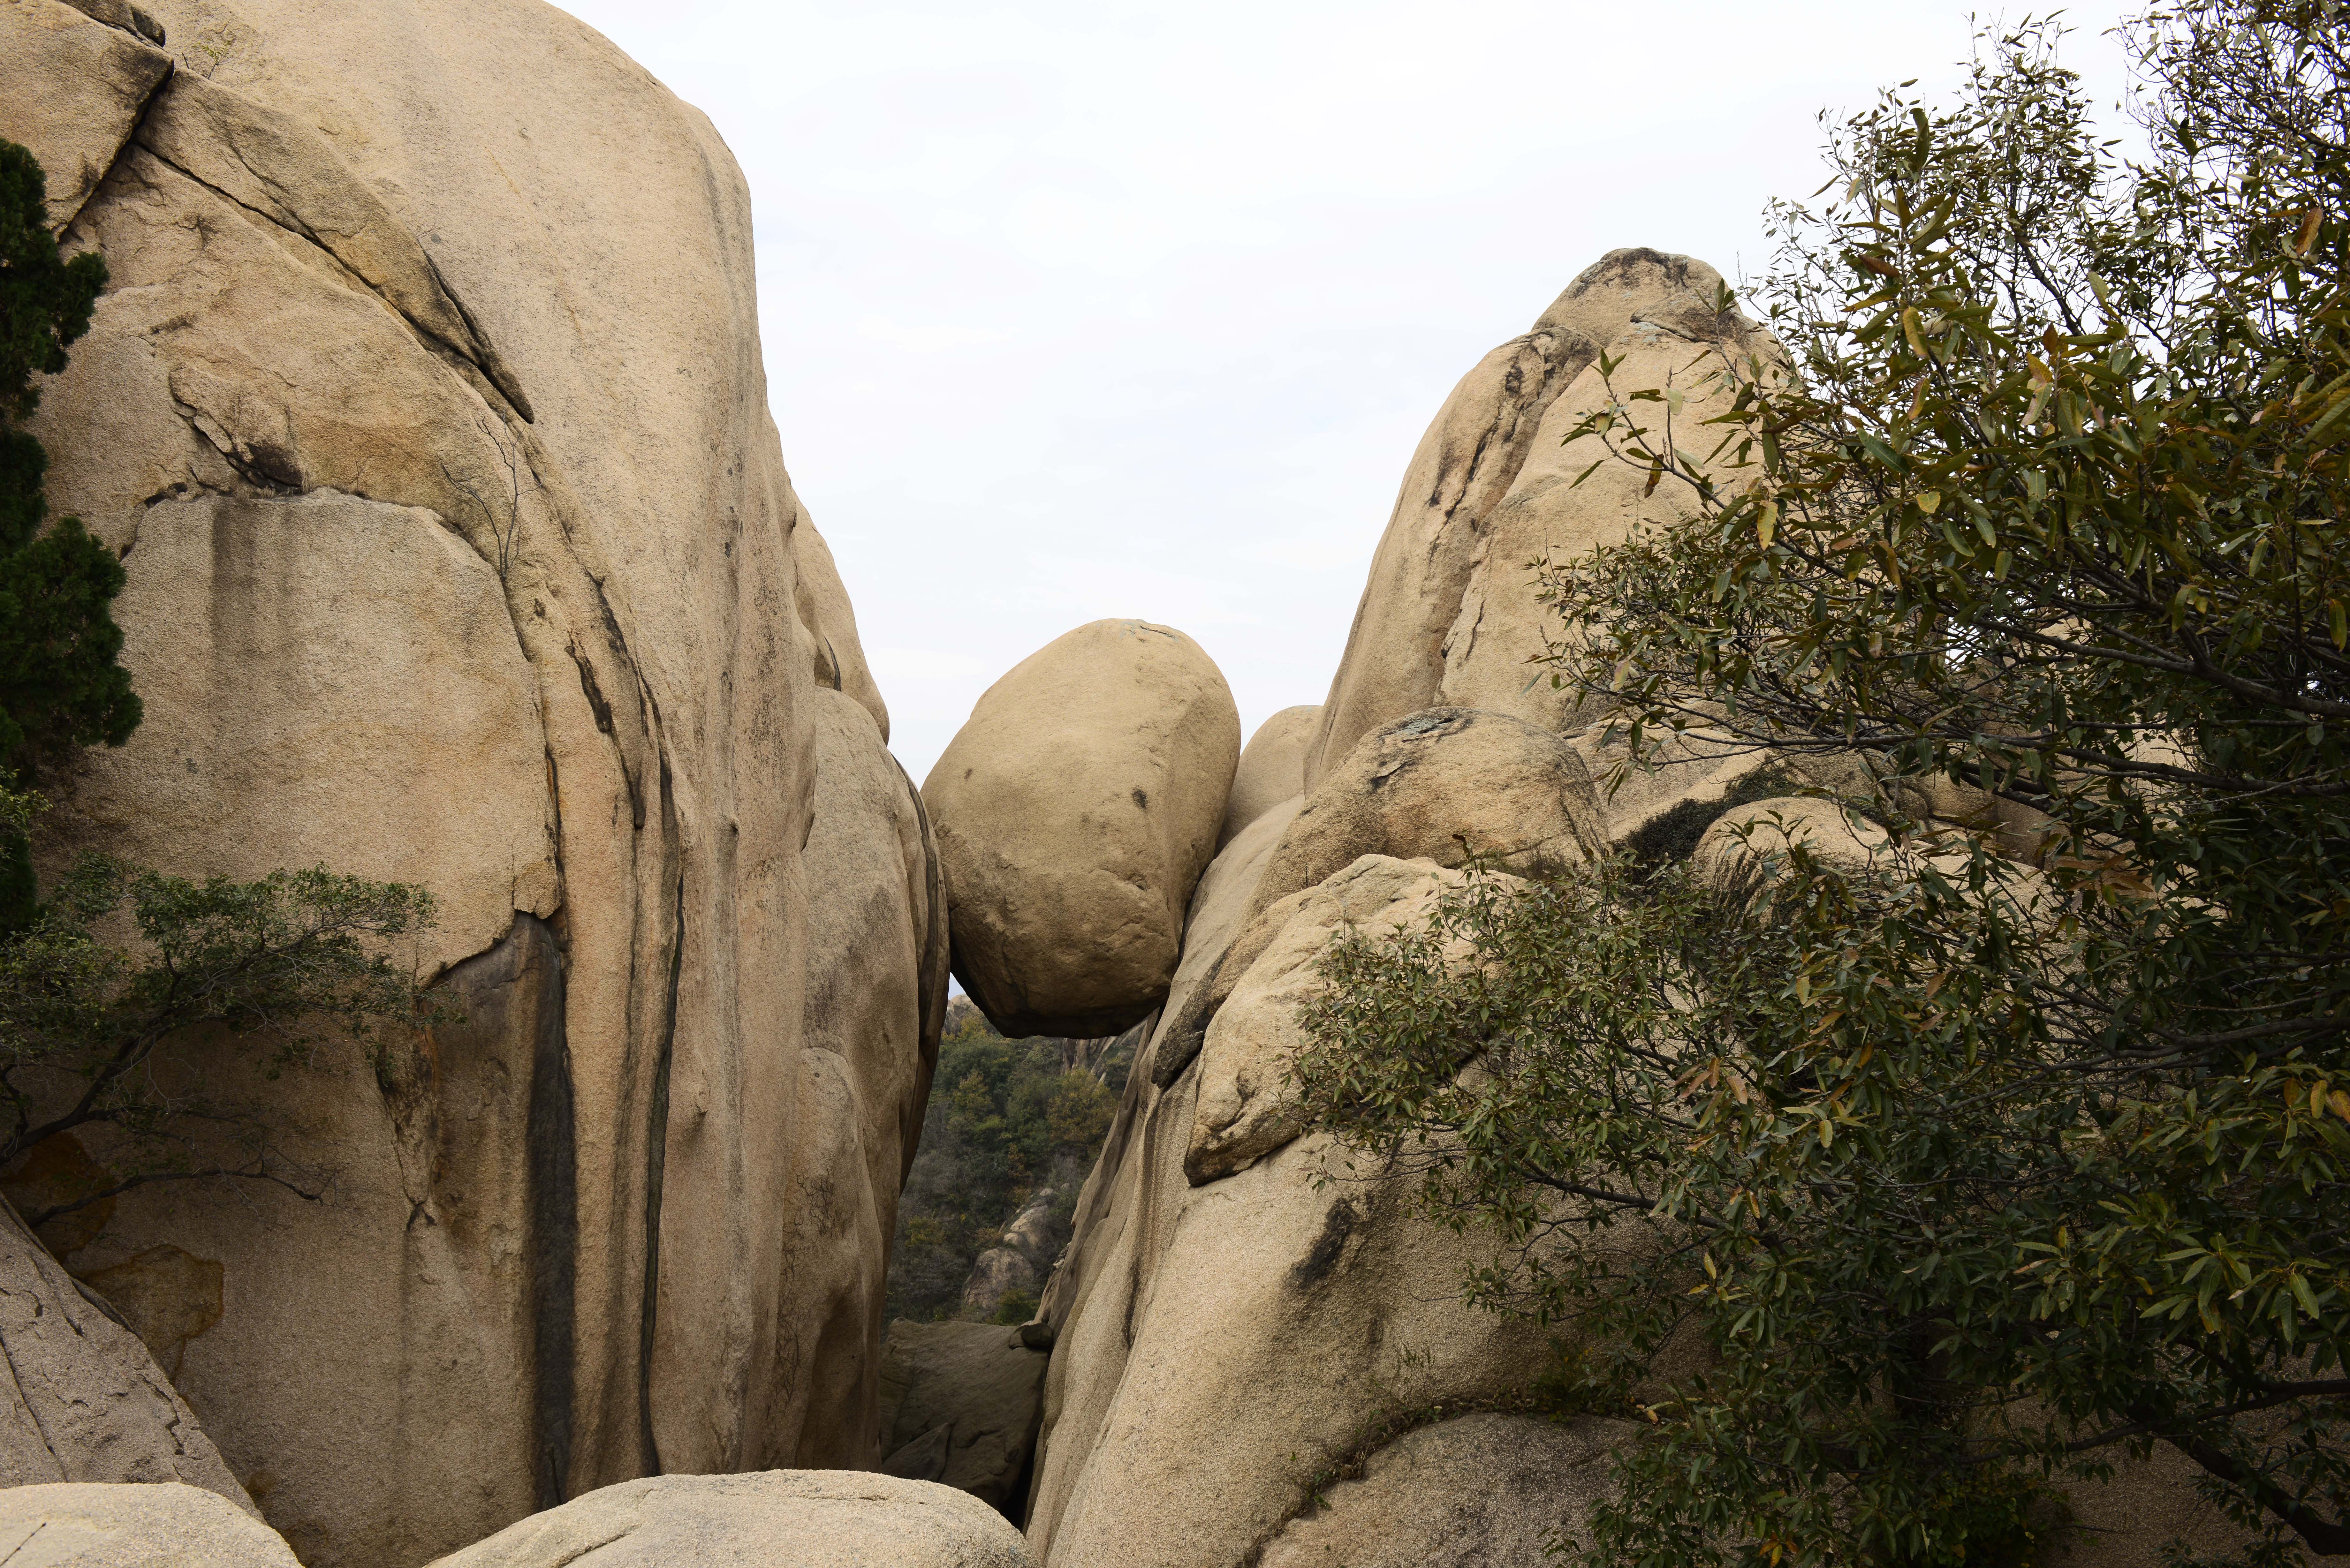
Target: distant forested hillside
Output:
[(1009, 1120)]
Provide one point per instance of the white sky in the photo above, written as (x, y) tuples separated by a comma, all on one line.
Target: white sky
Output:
[(1077, 310)]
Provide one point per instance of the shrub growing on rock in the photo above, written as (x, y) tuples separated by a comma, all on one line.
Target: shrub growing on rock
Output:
[(267, 971), (1896, 1193)]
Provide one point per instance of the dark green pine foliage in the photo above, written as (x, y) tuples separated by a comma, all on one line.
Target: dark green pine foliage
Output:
[(59, 683)]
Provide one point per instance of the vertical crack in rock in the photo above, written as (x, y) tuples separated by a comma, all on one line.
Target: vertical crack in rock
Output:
[(619, 643), (656, 1158), (930, 1017), (552, 1152), (934, 933), (555, 831)]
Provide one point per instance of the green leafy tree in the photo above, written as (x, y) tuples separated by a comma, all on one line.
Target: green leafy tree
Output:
[(59, 683), (127, 1048), (1895, 1194)]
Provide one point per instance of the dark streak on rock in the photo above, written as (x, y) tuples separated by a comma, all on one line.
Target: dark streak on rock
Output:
[(656, 1160), (554, 1249), (1322, 1257)]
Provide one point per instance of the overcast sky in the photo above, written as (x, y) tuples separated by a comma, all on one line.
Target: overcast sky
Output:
[(1078, 310)]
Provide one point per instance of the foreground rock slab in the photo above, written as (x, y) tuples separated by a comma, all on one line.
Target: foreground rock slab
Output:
[(96, 1524), (775, 1519), (1076, 810)]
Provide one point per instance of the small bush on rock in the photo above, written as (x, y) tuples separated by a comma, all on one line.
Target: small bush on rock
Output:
[(263, 972)]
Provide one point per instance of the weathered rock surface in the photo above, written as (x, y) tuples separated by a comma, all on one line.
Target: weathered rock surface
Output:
[(317, 607), (960, 1403), (1443, 786), (427, 408), (1449, 617), (1272, 769), (1241, 1112), (1074, 811), (73, 87), (1449, 785), (85, 1402), (1479, 1491), (93, 1524), (773, 1518)]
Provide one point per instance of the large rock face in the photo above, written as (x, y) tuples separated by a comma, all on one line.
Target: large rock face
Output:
[(1447, 618), (792, 1519), (427, 410), (1074, 811)]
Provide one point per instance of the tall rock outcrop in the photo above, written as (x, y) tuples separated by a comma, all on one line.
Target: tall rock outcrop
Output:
[(1259, 1352), (427, 410), (1446, 618)]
